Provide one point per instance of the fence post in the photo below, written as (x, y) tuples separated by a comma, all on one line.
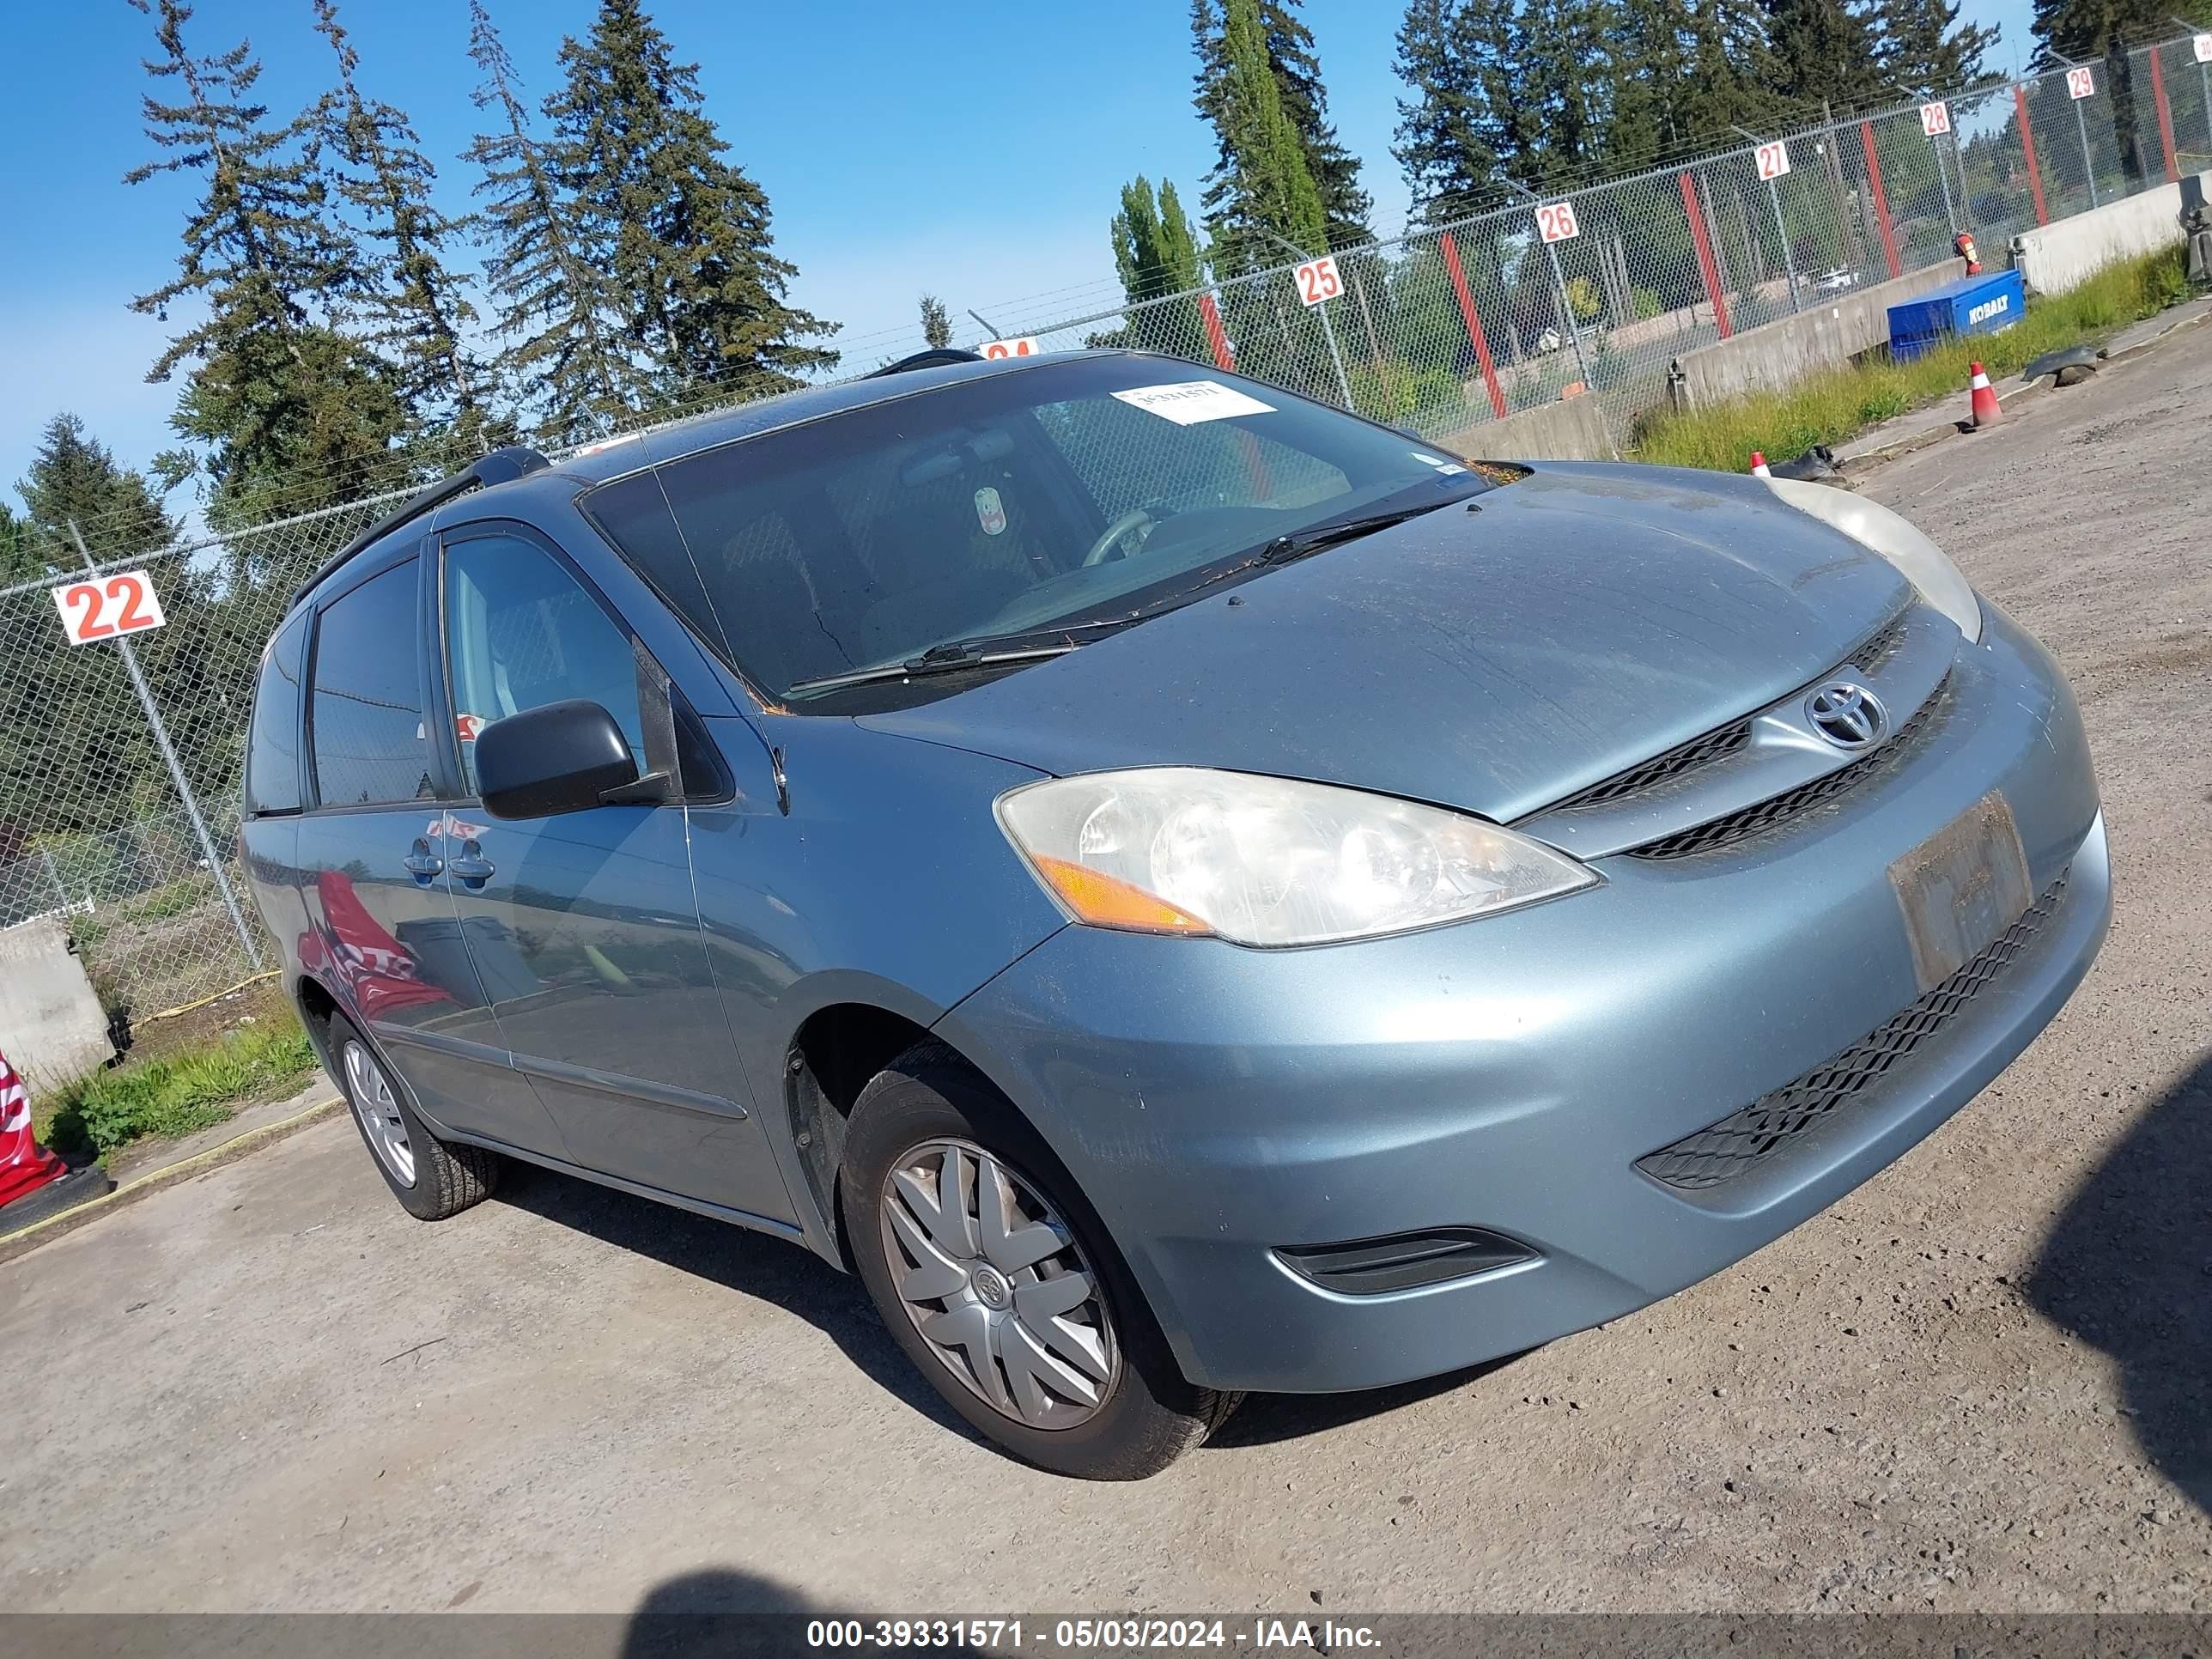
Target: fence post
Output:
[(1216, 336), (177, 774), (2027, 144), (2088, 163), (1881, 201), (1703, 243), (1473, 318), (2165, 118)]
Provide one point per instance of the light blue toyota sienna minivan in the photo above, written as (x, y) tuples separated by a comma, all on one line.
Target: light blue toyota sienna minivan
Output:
[(1182, 890)]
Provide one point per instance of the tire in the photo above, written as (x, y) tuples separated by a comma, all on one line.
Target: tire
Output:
[(1086, 1386), (432, 1179)]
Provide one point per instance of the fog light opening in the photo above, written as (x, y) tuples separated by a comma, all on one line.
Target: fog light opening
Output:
[(1405, 1261)]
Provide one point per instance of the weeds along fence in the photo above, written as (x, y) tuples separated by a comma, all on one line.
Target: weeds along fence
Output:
[(120, 758)]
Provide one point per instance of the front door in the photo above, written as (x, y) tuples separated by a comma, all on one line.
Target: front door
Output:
[(379, 929), (583, 927)]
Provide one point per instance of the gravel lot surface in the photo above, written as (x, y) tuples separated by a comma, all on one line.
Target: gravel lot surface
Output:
[(1978, 1383)]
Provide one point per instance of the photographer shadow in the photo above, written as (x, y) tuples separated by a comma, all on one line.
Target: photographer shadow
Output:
[(2128, 1268)]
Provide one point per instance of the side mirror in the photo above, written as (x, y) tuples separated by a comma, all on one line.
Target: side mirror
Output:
[(562, 757)]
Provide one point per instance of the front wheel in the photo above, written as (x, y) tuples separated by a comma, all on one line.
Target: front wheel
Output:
[(998, 1280), (432, 1179)]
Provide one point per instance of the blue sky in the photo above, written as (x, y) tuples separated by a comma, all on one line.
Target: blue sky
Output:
[(972, 149)]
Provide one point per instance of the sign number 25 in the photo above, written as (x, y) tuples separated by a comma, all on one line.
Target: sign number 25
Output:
[(108, 606)]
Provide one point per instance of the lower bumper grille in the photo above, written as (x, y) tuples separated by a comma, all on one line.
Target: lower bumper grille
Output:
[(1738, 1143)]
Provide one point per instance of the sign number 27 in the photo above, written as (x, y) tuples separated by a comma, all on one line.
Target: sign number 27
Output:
[(108, 606)]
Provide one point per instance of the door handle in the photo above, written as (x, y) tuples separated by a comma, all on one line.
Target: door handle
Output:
[(473, 866), (423, 864)]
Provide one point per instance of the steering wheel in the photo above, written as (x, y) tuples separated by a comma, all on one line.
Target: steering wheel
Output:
[(1110, 537)]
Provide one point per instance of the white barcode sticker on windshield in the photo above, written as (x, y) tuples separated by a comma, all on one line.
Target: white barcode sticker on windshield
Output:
[(1189, 402)]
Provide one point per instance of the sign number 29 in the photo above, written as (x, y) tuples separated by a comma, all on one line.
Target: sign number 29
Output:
[(108, 606)]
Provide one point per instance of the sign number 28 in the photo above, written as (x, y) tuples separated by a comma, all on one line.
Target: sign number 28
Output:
[(106, 607)]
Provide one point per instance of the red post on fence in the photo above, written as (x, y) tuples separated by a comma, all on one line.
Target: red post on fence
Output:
[(1216, 336), (2164, 118), (1706, 266), (1880, 200), (2027, 144), (1473, 318)]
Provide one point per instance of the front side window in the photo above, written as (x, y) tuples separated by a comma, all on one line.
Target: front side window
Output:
[(521, 632), (1065, 493), (365, 715)]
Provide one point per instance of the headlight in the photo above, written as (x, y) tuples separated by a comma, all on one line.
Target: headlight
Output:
[(1897, 539), (1267, 861)]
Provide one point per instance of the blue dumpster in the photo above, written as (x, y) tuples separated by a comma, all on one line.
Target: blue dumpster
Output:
[(1987, 304)]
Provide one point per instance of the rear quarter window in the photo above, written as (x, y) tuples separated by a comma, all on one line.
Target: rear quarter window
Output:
[(272, 751)]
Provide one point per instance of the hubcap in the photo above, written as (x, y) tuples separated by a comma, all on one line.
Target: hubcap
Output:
[(377, 1109), (993, 1280)]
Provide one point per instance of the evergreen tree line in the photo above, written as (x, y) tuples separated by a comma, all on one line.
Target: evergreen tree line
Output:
[(348, 334)]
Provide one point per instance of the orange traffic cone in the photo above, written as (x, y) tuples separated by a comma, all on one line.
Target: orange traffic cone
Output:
[(1986, 409), (1758, 467)]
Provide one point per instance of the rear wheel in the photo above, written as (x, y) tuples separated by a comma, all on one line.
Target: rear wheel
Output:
[(431, 1178), (996, 1278)]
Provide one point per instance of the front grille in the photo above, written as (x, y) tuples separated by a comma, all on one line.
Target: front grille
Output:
[(1878, 646), (1867, 656), (1741, 825), (1686, 758), (1737, 1143)]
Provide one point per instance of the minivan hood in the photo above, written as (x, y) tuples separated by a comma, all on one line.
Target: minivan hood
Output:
[(1582, 621)]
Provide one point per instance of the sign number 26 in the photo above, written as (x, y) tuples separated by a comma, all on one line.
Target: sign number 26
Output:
[(106, 607)]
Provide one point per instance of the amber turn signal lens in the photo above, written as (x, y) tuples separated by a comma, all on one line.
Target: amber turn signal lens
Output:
[(1105, 902)]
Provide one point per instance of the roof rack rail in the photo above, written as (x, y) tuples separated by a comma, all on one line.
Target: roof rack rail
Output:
[(498, 467), (935, 357)]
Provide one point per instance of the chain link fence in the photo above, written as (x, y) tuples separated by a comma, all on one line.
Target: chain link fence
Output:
[(1598, 289), (120, 758)]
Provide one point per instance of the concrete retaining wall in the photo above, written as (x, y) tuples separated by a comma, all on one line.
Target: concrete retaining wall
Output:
[(1571, 430), (2054, 257), (52, 1026), (1777, 355)]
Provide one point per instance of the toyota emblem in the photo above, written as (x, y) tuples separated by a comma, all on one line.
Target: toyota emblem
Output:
[(1846, 714)]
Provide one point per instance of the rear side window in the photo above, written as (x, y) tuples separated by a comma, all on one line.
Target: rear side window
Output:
[(366, 711), (272, 752)]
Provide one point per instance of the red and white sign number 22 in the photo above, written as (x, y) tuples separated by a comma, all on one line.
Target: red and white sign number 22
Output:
[(106, 607)]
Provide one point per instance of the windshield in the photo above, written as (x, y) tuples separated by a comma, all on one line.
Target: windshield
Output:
[(1054, 496)]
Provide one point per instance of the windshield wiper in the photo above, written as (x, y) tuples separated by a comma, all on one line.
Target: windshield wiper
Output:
[(953, 657), (1297, 543)]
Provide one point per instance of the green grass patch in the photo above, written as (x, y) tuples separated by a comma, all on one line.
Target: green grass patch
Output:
[(1839, 403), (174, 1095)]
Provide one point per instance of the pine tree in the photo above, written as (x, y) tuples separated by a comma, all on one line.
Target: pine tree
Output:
[(685, 233), (289, 413), (1824, 52), (936, 325), (1446, 135), (417, 311), (2083, 29), (74, 477), (1267, 198), (1567, 68), (1925, 48), (1346, 206), (555, 306)]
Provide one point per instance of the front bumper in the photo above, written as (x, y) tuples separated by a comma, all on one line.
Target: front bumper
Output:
[(1217, 1104)]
